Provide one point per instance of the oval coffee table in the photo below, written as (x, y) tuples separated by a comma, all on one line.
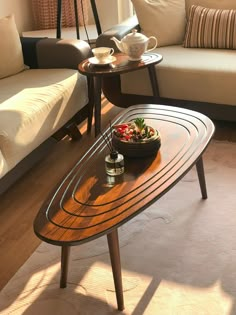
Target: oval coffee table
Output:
[(88, 204)]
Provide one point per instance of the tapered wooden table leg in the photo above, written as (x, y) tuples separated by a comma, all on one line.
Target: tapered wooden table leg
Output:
[(153, 79), (90, 104), (97, 103), (201, 177), (65, 253), (113, 244)]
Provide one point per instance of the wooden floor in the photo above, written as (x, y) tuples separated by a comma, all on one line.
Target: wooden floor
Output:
[(20, 204)]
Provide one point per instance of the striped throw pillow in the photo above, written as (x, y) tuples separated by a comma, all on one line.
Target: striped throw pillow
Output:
[(210, 28)]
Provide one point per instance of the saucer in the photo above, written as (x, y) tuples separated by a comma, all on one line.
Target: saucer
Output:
[(96, 62)]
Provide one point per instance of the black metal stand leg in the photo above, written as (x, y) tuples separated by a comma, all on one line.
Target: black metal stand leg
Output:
[(65, 253), (59, 18), (153, 79), (76, 18), (97, 103), (113, 243), (201, 177), (96, 18)]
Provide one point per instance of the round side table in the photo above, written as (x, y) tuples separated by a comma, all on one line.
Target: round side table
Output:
[(121, 65)]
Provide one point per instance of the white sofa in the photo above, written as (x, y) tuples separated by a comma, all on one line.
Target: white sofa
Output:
[(198, 78), (42, 93)]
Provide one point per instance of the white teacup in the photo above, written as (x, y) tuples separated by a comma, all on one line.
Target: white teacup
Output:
[(102, 53)]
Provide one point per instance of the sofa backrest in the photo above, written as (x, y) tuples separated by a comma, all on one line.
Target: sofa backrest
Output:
[(213, 4)]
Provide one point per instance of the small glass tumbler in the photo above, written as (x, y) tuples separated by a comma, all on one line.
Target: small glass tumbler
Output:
[(114, 164)]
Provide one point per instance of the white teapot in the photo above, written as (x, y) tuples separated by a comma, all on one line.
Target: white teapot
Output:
[(134, 44)]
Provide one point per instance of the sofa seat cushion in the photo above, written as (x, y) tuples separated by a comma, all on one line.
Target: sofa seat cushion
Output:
[(34, 104), (194, 74)]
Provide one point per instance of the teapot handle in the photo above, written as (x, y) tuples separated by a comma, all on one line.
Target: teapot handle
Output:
[(152, 37)]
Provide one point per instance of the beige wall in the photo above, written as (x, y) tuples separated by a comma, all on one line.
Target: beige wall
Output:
[(21, 10)]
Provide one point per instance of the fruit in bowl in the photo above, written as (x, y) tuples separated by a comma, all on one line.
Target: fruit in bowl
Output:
[(136, 139)]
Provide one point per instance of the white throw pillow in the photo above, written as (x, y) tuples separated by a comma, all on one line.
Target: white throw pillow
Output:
[(164, 19), (11, 56)]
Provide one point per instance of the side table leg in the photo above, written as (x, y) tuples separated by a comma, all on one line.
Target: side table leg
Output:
[(153, 79), (201, 177), (90, 104), (65, 253), (97, 103), (113, 244)]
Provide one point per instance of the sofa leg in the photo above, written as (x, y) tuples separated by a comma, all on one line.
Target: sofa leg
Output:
[(73, 131)]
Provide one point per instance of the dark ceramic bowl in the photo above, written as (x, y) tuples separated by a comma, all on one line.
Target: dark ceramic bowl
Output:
[(142, 148)]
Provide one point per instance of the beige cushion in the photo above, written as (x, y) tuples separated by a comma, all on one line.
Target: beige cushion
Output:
[(196, 74), (34, 104), (210, 28), (164, 19), (11, 57)]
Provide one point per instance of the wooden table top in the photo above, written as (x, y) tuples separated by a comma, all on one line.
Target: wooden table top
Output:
[(121, 65), (88, 203)]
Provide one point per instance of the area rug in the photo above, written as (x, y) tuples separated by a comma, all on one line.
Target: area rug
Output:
[(178, 257)]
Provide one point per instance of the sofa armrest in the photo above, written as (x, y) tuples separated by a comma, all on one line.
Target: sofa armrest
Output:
[(29, 45), (118, 31), (62, 53), (54, 53)]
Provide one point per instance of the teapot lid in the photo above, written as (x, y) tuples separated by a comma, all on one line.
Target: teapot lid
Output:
[(134, 37)]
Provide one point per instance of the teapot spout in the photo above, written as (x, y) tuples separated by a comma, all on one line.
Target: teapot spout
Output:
[(118, 43)]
